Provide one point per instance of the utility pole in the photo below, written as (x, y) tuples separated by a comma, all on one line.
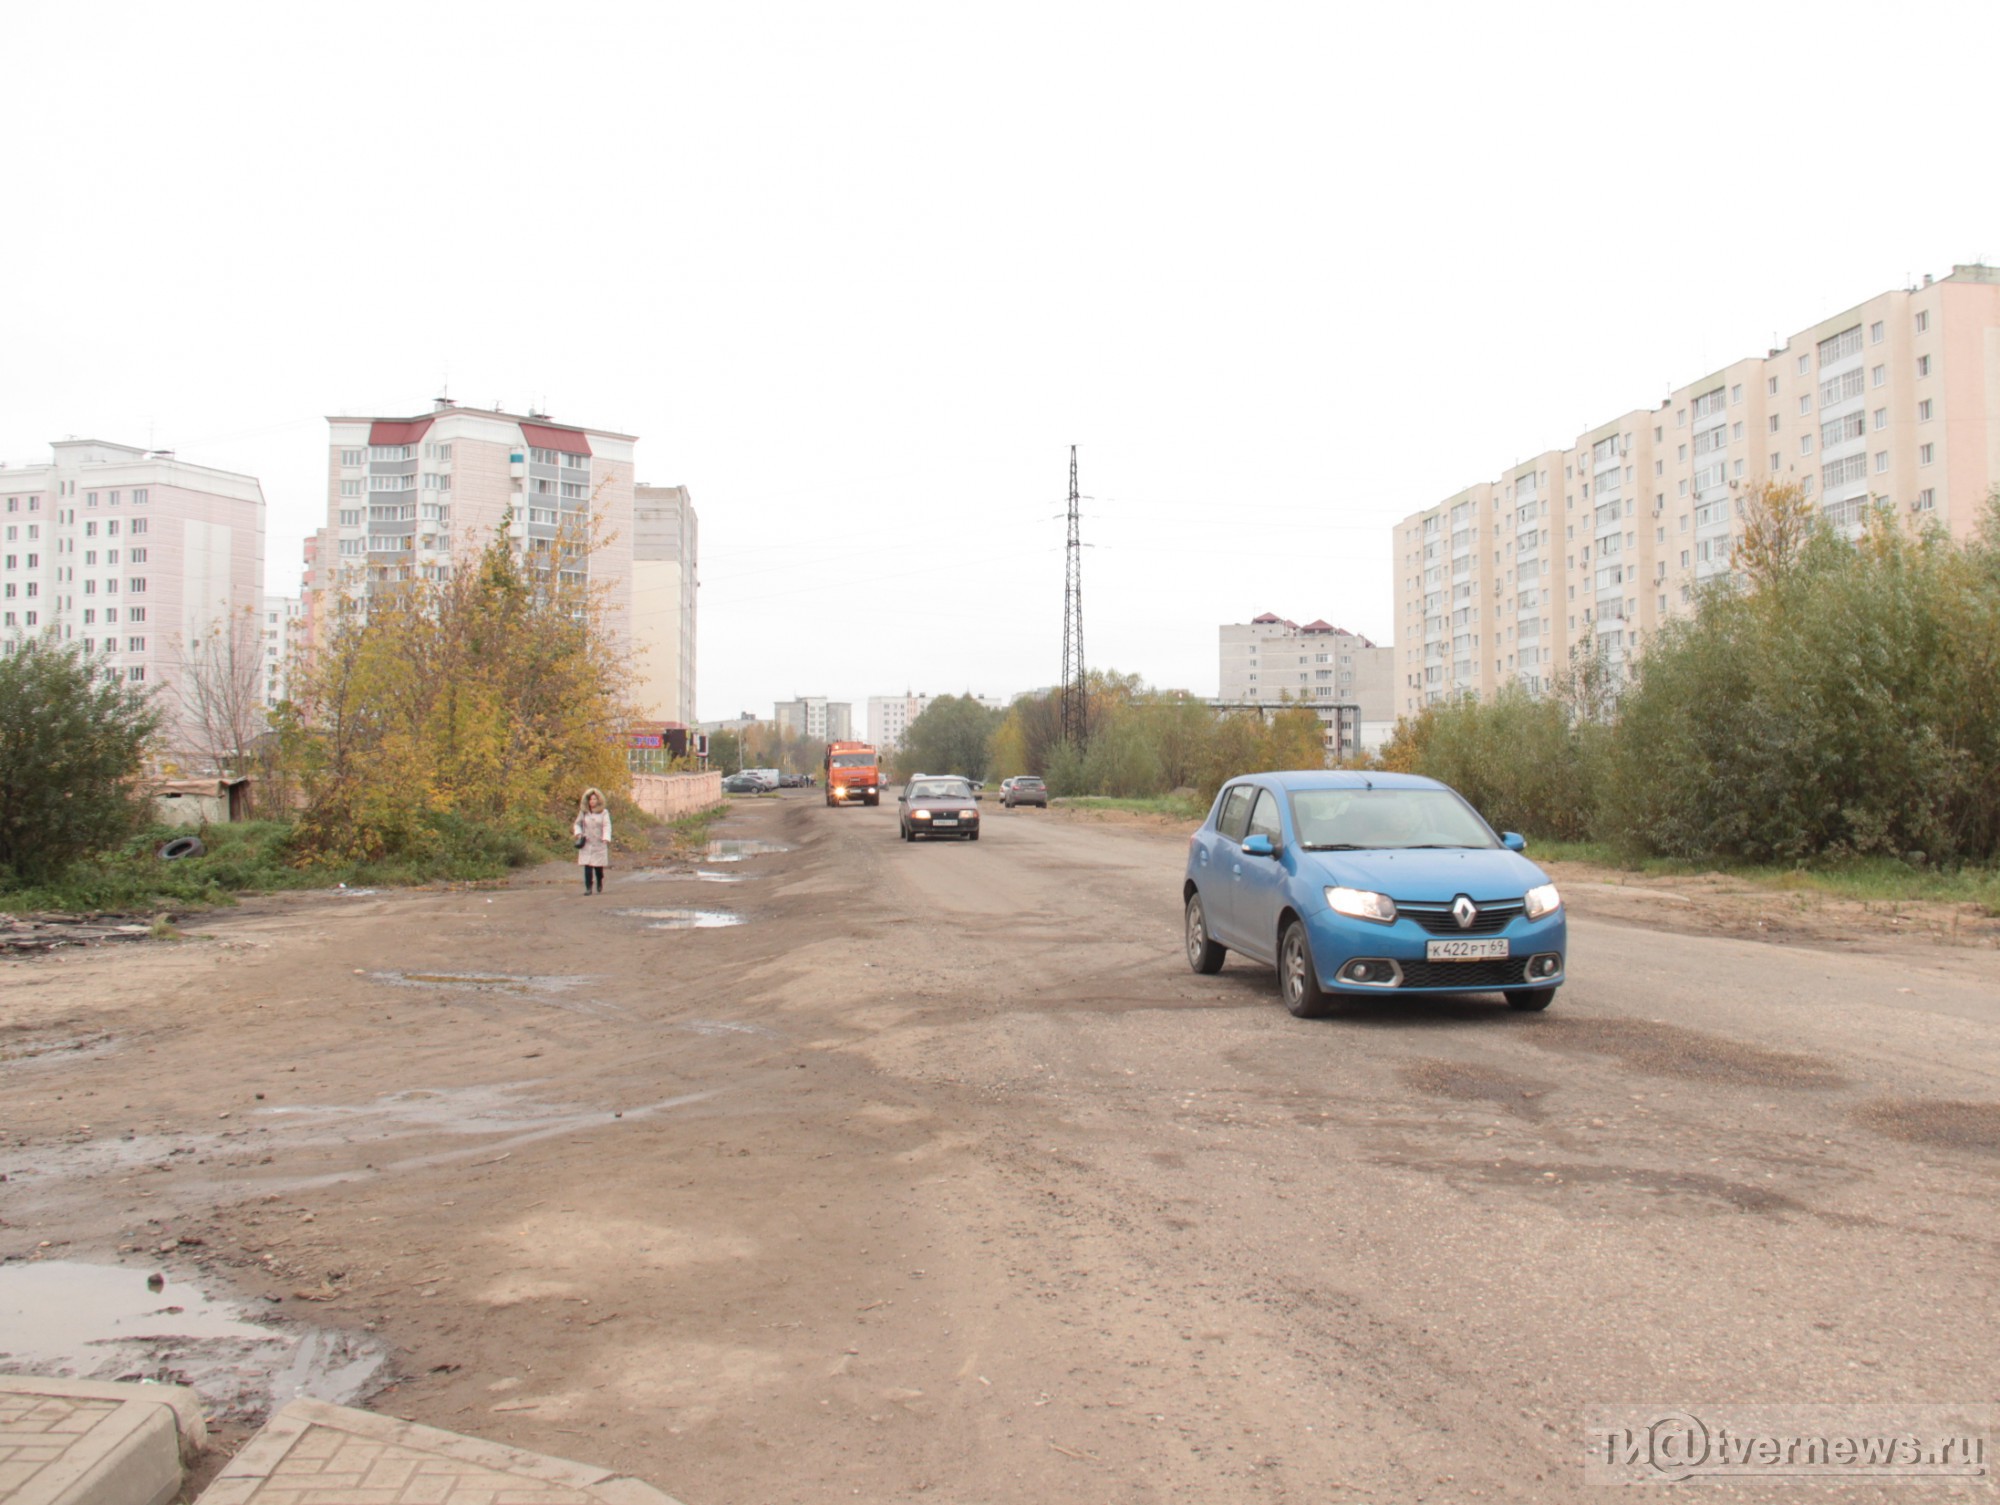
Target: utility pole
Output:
[(1075, 699)]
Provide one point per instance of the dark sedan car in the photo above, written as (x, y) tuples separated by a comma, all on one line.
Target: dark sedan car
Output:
[(936, 806)]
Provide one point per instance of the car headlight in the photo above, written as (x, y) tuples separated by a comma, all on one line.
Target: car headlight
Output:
[(1542, 900), (1362, 904), (920, 815), (968, 815)]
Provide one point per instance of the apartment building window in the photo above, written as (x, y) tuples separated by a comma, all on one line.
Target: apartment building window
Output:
[(1926, 500), (1806, 485), (1840, 430), (1682, 457), (1842, 388), (1839, 347), (1926, 453), (1844, 472), (1805, 403), (132, 556), (1875, 333), (1774, 422), (90, 499), (1923, 365), (1881, 418), (1736, 396), (136, 672), (1739, 468), (350, 488), (1805, 444), (1659, 467), (350, 517), (135, 645), (1707, 403), (390, 453), (1684, 488), (433, 481), (1659, 434), (1772, 387), (1805, 364), (132, 614), (1879, 376), (1881, 461), (1736, 433), (1924, 411), (141, 496), (1923, 322), (353, 458)]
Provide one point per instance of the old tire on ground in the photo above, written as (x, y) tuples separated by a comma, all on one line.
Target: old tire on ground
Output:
[(1530, 1000), (1202, 953), (1298, 980), (182, 846)]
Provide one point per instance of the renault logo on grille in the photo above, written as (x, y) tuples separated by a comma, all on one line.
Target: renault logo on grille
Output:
[(1464, 911)]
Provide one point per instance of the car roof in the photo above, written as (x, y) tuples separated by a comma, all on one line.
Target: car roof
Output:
[(1341, 778)]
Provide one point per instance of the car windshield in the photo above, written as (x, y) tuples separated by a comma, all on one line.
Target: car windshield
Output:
[(1333, 820), (941, 789), (853, 760), (1027, 783)]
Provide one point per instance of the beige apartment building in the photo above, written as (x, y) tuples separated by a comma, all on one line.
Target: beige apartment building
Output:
[(412, 498), (1895, 403), (665, 576), (1343, 677)]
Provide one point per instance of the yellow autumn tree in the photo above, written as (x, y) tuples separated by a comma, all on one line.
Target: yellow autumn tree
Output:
[(459, 708)]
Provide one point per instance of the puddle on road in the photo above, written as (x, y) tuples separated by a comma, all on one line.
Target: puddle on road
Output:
[(684, 919), (729, 1027), (668, 875), (103, 1322), (484, 982), (736, 849)]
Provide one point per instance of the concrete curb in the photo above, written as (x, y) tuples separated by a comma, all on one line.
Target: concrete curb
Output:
[(313, 1453), (86, 1442)]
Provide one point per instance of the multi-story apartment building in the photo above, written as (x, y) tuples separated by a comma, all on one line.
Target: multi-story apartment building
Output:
[(1346, 679), (889, 718), (133, 552), (816, 717), (410, 498), (1894, 403), (665, 577), (280, 636)]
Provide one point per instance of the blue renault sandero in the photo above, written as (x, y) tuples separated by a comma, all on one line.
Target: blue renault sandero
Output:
[(1354, 883)]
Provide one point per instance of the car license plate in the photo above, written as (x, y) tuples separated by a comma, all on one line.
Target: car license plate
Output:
[(944, 822), (1464, 951)]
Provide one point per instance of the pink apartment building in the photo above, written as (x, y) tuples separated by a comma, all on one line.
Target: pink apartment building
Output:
[(1895, 402), (131, 552), (413, 498)]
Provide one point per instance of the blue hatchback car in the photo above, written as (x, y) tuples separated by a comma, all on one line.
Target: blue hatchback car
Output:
[(1367, 883)]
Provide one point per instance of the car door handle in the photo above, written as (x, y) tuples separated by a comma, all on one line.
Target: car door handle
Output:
[(1237, 869)]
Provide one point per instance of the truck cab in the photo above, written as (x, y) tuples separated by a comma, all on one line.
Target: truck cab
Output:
[(853, 774)]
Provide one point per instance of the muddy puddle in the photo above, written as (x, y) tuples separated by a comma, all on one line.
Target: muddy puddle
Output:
[(684, 919), (103, 1322), (737, 849)]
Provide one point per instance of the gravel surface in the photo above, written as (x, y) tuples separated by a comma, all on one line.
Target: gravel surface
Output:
[(941, 1176)]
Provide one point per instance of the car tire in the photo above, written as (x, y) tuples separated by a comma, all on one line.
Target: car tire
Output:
[(1530, 1000), (1298, 979), (1203, 955), (181, 846), (972, 836)]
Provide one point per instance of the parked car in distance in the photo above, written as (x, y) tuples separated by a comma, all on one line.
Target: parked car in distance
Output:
[(1354, 883), (742, 783), (1025, 790), (937, 805)]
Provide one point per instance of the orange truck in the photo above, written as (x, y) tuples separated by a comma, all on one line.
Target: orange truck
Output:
[(853, 774)]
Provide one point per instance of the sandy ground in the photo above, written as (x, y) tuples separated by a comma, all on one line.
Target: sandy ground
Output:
[(941, 1177)]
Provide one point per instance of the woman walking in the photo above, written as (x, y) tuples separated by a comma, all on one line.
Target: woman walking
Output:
[(593, 839)]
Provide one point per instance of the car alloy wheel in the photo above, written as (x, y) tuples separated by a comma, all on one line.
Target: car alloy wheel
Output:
[(1297, 981), (1202, 953)]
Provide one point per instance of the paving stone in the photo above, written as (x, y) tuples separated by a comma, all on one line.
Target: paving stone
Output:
[(312, 1453), (84, 1442)]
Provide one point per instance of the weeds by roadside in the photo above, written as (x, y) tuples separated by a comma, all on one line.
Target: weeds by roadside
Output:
[(1169, 806), (1870, 879)]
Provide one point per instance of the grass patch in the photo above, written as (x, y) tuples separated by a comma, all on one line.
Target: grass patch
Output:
[(1171, 806), (259, 857), (1875, 880)]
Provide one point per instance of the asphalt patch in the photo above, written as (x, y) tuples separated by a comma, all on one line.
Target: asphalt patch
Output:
[(1467, 1083), (1672, 1050), (1946, 1124)]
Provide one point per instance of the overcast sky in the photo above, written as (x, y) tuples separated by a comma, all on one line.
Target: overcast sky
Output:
[(859, 275)]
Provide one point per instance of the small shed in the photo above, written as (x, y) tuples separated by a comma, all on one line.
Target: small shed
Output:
[(194, 802)]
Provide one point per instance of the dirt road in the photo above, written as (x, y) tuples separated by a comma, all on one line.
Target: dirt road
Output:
[(942, 1177)]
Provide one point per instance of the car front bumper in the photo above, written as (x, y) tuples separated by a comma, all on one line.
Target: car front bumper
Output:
[(1360, 957)]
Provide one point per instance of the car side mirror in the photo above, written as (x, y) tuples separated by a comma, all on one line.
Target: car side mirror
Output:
[(1259, 846), (1513, 841)]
